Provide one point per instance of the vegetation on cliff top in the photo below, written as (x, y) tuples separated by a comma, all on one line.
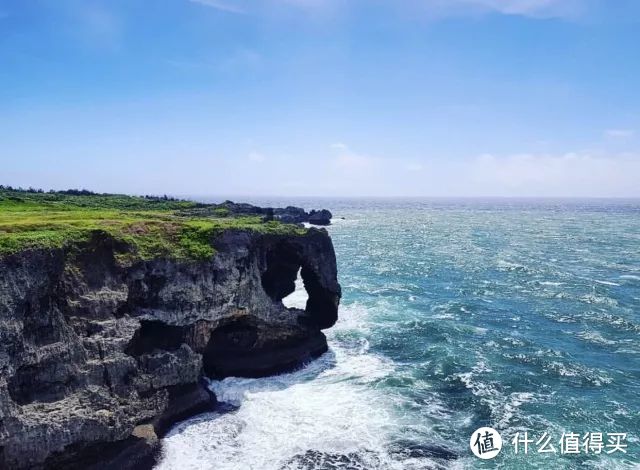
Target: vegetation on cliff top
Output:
[(150, 226)]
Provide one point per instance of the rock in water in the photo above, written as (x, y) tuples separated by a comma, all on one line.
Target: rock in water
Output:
[(296, 215), (321, 217), (98, 358)]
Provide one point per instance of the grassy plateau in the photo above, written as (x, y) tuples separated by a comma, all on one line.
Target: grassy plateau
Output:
[(150, 226)]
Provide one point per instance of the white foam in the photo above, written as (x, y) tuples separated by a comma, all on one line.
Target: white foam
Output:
[(510, 409), (599, 299), (504, 407), (284, 416), (330, 407), (594, 337), (353, 318)]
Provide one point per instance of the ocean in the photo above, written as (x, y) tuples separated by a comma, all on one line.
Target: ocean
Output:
[(520, 315)]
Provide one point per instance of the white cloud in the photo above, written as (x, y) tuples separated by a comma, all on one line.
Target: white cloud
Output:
[(256, 157), (352, 162), (619, 133), (573, 174), (414, 167), (570, 174), (98, 25), (311, 7), (530, 8), (230, 6), (348, 160)]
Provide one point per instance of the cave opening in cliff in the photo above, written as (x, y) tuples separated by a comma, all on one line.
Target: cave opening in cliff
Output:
[(299, 297), (228, 345), (154, 335), (286, 270)]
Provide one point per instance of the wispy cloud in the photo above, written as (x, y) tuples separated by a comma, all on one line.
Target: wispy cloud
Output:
[(230, 6), (619, 133), (242, 59), (348, 160), (98, 26), (530, 8), (339, 146), (414, 166), (256, 157), (437, 8), (570, 174), (239, 61)]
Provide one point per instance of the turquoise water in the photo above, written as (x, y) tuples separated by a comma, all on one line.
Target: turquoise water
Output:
[(519, 315)]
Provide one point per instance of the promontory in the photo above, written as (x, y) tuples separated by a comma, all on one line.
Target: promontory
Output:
[(114, 309)]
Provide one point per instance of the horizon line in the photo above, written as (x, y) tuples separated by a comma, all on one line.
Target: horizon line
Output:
[(239, 196)]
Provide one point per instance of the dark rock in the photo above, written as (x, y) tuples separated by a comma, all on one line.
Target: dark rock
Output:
[(287, 215), (296, 215), (135, 452), (291, 215), (184, 401), (98, 359), (241, 208), (228, 353), (413, 450), (314, 459), (268, 215), (321, 217)]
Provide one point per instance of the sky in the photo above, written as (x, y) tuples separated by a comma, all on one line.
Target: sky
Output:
[(322, 97)]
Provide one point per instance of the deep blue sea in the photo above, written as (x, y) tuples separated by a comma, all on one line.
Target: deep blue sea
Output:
[(521, 315)]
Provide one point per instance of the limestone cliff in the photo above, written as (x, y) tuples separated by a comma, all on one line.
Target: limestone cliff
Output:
[(98, 357)]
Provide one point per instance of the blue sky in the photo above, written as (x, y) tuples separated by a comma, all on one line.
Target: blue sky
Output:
[(322, 97)]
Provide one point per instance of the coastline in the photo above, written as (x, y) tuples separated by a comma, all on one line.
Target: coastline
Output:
[(103, 353)]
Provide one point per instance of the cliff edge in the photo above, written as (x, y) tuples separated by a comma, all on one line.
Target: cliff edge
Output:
[(100, 354)]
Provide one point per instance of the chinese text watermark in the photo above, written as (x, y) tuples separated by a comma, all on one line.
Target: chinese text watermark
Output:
[(486, 443)]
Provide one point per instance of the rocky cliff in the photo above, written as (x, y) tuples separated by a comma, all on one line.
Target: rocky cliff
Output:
[(287, 215), (98, 356)]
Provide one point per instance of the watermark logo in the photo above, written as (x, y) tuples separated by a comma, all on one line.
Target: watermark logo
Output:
[(572, 443), (485, 443)]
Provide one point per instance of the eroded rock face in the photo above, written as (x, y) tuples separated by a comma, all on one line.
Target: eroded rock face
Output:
[(97, 359)]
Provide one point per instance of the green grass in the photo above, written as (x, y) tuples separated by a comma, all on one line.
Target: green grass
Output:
[(149, 227)]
